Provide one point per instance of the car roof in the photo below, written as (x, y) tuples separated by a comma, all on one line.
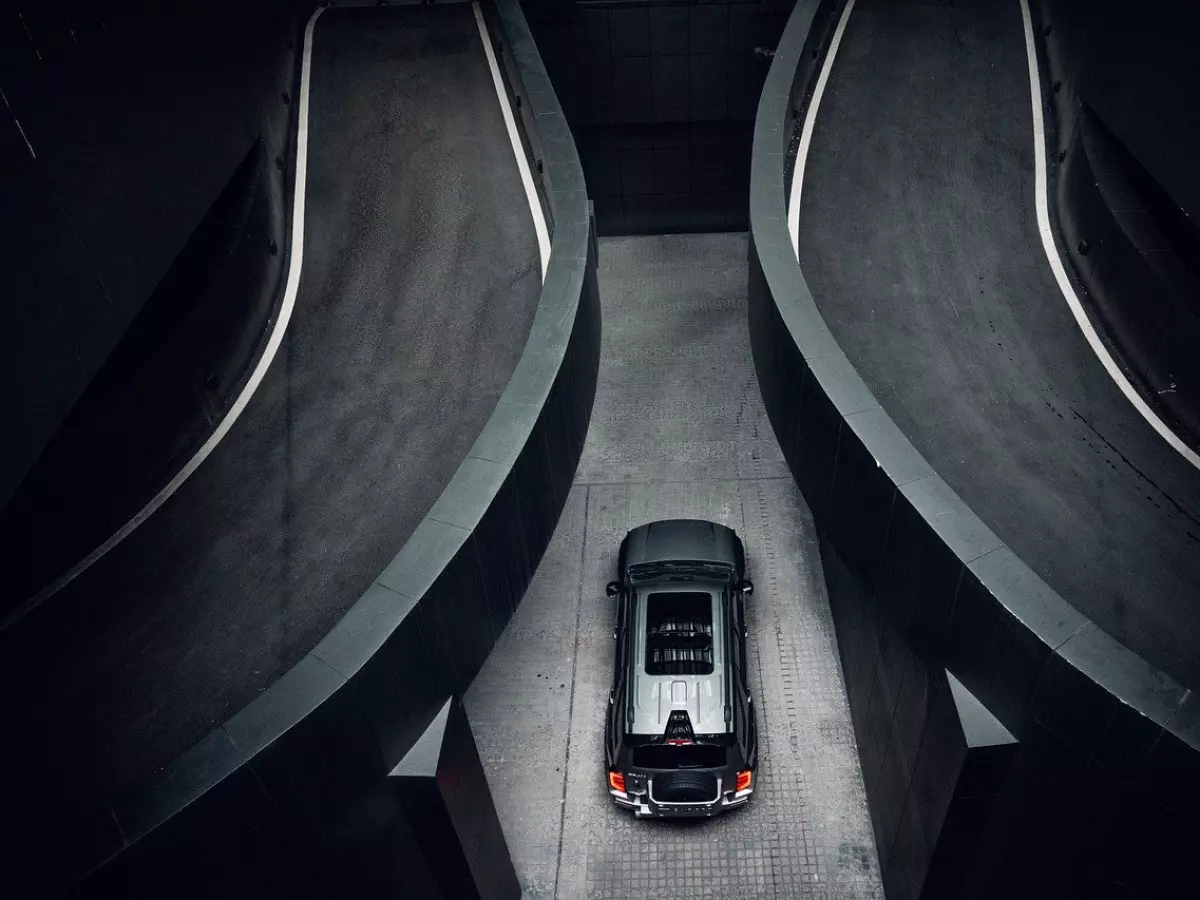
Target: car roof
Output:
[(655, 697)]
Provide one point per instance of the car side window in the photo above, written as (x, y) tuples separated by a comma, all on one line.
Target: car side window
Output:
[(741, 629), (735, 629), (621, 633), (738, 627)]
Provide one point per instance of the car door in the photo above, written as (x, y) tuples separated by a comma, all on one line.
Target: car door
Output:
[(615, 718), (744, 705)]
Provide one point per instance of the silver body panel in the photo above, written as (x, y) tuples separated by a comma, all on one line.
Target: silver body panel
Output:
[(656, 696)]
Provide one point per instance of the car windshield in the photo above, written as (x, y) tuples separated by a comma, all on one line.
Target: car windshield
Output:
[(695, 568)]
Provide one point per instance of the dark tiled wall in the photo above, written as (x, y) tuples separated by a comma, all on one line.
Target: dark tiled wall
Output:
[(931, 786), (668, 178), (661, 97), (442, 786)]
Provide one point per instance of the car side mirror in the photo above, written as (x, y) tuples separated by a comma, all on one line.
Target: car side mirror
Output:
[(613, 588), (746, 586)]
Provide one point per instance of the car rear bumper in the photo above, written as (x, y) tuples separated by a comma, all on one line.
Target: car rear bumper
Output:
[(644, 804), (643, 808)]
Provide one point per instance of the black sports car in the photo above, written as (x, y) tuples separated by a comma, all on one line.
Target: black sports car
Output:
[(680, 736)]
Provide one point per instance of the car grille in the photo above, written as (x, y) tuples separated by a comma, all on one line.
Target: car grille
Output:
[(685, 787)]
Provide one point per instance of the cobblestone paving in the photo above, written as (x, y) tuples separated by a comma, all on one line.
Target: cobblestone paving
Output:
[(678, 430)]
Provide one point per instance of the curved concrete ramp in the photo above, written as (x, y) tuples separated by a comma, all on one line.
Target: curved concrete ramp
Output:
[(936, 238), (920, 244), (420, 279)]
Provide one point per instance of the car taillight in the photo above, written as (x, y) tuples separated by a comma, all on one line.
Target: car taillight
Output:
[(745, 780), (616, 781)]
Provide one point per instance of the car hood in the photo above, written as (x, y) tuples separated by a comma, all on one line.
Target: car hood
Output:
[(684, 540)]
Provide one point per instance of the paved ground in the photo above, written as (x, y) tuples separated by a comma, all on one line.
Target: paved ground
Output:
[(919, 241), (678, 429), (420, 282)]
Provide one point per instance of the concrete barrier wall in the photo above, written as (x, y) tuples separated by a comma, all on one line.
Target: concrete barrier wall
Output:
[(1100, 795), (1133, 248), (661, 96), (297, 794), (171, 378), (121, 126), (1134, 65), (156, 192)]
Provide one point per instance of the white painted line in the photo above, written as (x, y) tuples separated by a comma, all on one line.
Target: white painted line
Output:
[(36, 51), (260, 370), (806, 133), (17, 122), (1056, 264), (531, 194)]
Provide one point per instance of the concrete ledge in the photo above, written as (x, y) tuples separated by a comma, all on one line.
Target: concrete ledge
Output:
[(291, 796), (920, 585)]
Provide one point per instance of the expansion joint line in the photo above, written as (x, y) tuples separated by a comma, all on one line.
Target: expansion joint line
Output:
[(562, 815)]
